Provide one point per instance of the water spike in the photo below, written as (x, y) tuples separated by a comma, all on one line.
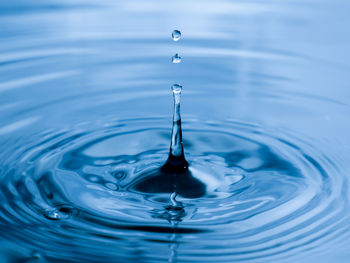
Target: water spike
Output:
[(176, 161), (175, 176)]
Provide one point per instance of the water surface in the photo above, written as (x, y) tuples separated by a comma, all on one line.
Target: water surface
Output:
[(86, 111)]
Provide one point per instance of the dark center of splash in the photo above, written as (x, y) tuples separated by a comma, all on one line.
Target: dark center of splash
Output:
[(174, 175)]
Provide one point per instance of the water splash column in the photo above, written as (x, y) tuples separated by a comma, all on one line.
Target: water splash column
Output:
[(176, 161)]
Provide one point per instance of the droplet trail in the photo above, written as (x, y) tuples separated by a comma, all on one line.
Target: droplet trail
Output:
[(174, 176)]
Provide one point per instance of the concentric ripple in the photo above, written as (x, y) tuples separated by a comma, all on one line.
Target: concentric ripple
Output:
[(85, 121), (265, 195)]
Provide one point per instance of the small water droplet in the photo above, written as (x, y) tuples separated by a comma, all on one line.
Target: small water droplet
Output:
[(176, 35), (59, 213), (176, 59), (52, 214), (177, 88)]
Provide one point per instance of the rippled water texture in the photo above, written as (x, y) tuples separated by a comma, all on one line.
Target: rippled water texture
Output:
[(86, 115)]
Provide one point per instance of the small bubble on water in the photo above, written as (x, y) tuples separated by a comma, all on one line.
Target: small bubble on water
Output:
[(176, 35), (176, 58), (177, 88)]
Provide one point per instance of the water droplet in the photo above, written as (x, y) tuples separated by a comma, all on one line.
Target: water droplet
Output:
[(177, 88), (59, 213), (176, 58), (52, 214), (176, 35)]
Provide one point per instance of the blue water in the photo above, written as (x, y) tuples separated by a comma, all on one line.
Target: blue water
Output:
[(86, 114)]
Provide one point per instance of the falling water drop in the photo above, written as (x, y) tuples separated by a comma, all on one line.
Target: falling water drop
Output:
[(176, 35), (176, 58)]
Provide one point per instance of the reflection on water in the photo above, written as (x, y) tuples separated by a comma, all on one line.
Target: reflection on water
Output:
[(85, 126)]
